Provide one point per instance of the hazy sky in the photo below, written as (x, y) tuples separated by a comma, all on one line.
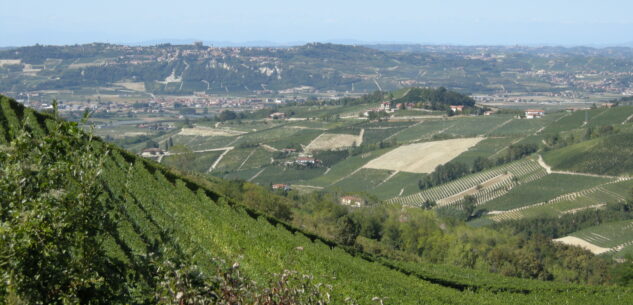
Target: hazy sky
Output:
[(564, 22)]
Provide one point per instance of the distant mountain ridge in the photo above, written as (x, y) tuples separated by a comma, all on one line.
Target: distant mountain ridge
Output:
[(310, 68)]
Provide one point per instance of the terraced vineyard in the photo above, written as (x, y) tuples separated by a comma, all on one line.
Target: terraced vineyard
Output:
[(548, 188), (162, 210), (617, 237), (524, 171), (591, 198)]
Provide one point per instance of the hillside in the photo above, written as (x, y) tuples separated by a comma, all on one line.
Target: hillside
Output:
[(107, 69), (609, 155), (157, 216)]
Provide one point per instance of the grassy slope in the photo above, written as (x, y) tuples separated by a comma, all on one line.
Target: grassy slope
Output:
[(167, 210), (609, 155), (541, 190)]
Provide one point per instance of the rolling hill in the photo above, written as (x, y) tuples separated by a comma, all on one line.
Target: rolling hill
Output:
[(610, 155), (145, 218)]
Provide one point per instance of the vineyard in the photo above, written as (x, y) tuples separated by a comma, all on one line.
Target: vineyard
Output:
[(608, 155), (590, 198), (617, 237), (522, 171), (548, 188), (164, 212)]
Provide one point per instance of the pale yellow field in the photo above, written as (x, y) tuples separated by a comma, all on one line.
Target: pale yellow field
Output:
[(208, 132), (422, 157), (86, 65), (10, 62), (136, 86), (575, 241), (329, 141)]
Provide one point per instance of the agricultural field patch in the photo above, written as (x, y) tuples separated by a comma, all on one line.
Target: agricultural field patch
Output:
[(610, 155), (592, 198), (136, 86), (487, 148), (401, 184), (614, 238), (523, 171), (541, 190), (477, 126), (329, 141), (422, 157), (9, 62), (362, 181), (524, 126), (423, 130), (287, 175), (575, 241), (346, 168), (611, 116), (198, 162), (208, 132), (301, 138)]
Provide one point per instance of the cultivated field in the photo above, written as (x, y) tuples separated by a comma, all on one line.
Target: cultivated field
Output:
[(328, 141), (136, 86), (422, 157), (208, 132), (10, 62), (575, 241), (523, 170), (614, 238)]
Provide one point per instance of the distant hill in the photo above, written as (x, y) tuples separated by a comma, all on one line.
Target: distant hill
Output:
[(311, 68)]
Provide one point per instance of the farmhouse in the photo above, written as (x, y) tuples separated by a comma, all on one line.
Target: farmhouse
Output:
[(534, 113), (277, 115), (457, 108), (386, 106), (352, 201), (280, 186)]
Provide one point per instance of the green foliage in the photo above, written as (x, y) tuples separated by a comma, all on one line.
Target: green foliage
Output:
[(436, 99), (608, 155), (53, 215)]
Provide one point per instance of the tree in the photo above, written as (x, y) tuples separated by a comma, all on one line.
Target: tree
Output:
[(623, 273), (227, 115), (428, 204), (348, 230), (469, 204), (56, 257), (151, 144)]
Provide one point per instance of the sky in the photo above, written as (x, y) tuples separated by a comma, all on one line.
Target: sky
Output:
[(457, 22)]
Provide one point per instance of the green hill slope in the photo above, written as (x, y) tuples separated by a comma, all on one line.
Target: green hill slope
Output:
[(610, 155), (152, 215)]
